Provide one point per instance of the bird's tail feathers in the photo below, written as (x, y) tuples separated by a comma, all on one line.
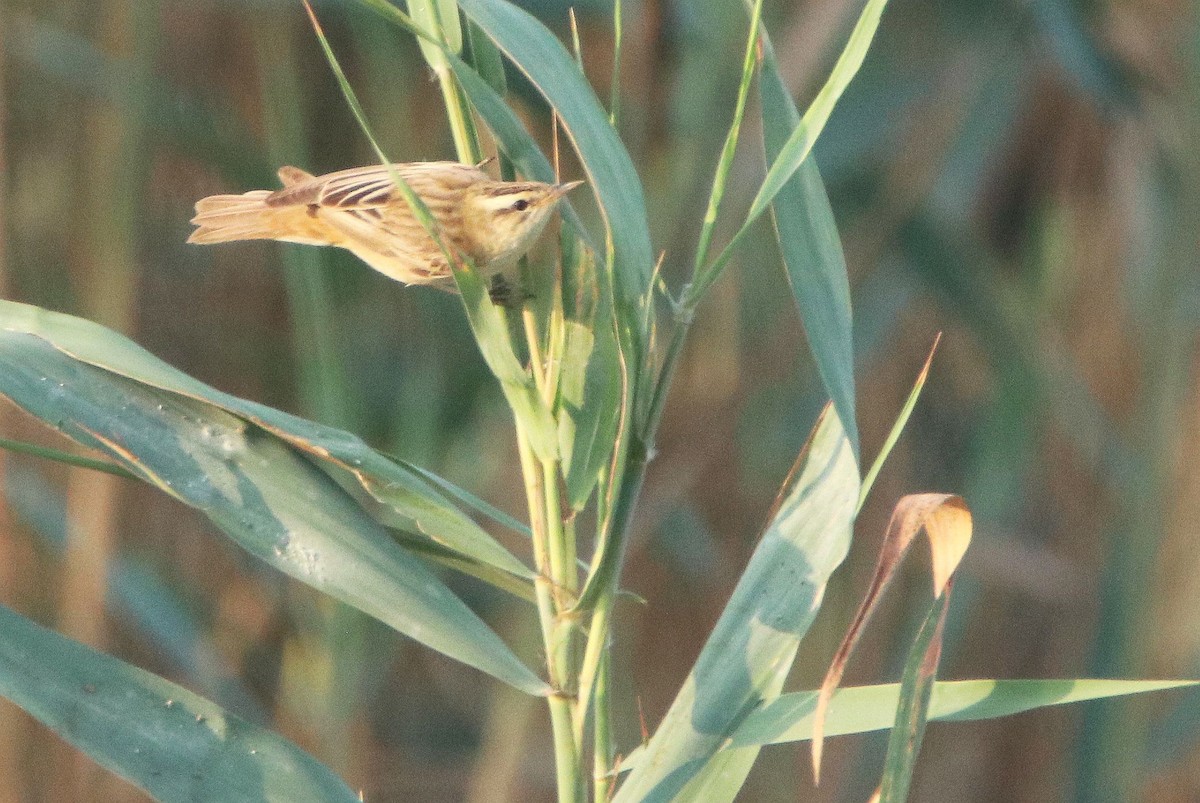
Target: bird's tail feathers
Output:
[(225, 218), (222, 218)]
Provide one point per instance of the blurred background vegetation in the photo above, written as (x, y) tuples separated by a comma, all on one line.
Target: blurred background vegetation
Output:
[(1022, 174)]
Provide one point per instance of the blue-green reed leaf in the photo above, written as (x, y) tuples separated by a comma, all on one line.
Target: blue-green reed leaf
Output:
[(136, 595), (750, 651), (467, 498), (261, 492), (898, 425), (160, 737), (408, 493), (440, 19), (811, 249), (59, 456), (871, 708), (798, 146), (486, 60), (589, 407), (610, 172), (912, 710), (863, 709)]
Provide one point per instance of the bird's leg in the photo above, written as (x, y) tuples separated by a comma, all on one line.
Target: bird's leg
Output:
[(505, 294)]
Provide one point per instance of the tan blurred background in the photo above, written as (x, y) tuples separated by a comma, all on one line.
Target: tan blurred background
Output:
[(1020, 174)]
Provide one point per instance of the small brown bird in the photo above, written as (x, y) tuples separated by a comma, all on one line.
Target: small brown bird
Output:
[(491, 222)]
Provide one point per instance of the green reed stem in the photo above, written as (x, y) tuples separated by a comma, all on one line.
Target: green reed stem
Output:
[(731, 139), (602, 743), (614, 90), (462, 126), (589, 671), (641, 440), (563, 576), (567, 754)]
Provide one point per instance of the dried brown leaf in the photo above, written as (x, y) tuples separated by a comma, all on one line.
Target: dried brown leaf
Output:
[(946, 519)]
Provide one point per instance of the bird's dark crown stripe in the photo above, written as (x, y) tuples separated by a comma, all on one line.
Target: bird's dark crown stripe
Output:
[(513, 189)]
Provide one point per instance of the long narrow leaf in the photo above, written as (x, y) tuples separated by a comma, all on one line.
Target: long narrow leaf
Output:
[(912, 711), (898, 425), (173, 744), (266, 496), (811, 249), (725, 161), (106, 466), (751, 649), (862, 709), (137, 596), (795, 151), (798, 146), (466, 497), (407, 492)]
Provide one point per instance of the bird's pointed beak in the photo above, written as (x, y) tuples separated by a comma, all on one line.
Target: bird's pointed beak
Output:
[(562, 189)]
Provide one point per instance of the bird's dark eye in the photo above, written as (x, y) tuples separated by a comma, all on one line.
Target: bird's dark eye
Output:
[(521, 205)]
